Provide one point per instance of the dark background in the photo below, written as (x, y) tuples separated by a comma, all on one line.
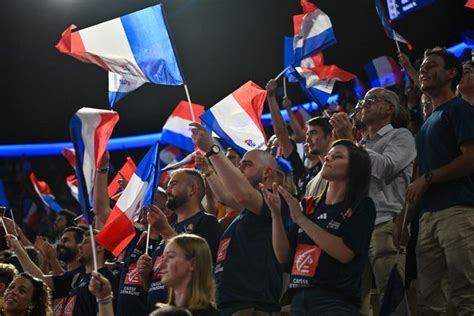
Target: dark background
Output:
[(221, 44)]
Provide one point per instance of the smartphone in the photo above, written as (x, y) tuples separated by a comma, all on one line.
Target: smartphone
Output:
[(3, 209)]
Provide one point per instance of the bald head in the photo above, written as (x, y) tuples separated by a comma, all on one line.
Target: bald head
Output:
[(258, 166)]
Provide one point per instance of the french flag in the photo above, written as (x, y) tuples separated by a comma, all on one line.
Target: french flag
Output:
[(176, 130), (289, 59), (137, 45), (44, 192), (120, 85), (118, 231), (125, 172), (313, 33), (383, 72), (70, 156), (31, 213), (90, 131), (72, 184), (389, 31), (236, 118), (318, 82)]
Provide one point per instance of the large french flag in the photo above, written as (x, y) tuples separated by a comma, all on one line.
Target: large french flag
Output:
[(176, 130), (289, 59), (118, 231), (389, 31), (137, 45), (120, 85), (313, 33), (383, 72), (318, 82), (236, 118), (44, 192), (90, 131)]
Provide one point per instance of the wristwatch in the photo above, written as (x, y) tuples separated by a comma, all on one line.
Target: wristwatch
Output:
[(214, 150), (428, 177)]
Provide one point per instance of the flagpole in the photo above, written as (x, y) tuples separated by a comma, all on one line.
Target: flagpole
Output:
[(284, 87), (398, 46), (94, 254), (189, 102), (147, 238), (281, 73), (401, 234), (14, 222)]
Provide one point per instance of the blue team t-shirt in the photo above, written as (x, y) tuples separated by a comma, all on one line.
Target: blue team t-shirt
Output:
[(247, 272), (437, 143), (132, 296), (202, 224), (313, 267)]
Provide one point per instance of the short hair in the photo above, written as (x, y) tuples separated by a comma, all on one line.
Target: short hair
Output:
[(78, 233), (70, 216), (196, 178), (7, 273), (450, 61), (391, 97), (322, 122)]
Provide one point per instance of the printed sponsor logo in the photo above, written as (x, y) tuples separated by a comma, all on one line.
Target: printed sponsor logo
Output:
[(306, 260), (250, 142), (323, 216), (58, 305), (69, 308), (333, 225), (222, 252), (132, 277)]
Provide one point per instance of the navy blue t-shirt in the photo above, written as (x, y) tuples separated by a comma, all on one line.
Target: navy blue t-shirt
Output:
[(314, 267), (437, 143), (202, 224), (132, 296), (247, 272), (79, 300)]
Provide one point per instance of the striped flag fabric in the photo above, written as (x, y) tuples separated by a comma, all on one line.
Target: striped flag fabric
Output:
[(289, 57), (72, 183), (90, 130), (389, 31), (395, 300), (176, 130), (44, 192), (383, 72), (120, 85), (313, 33), (318, 82), (126, 171), (118, 231), (70, 156), (137, 45), (237, 118)]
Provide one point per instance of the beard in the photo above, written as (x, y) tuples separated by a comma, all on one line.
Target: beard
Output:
[(66, 254), (174, 202)]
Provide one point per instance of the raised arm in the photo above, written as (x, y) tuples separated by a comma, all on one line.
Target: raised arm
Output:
[(298, 130), (411, 72), (101, 195), (279, 126), (232, 179)]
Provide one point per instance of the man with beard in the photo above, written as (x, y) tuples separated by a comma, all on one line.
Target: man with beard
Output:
[(185, 191), (248, 275)]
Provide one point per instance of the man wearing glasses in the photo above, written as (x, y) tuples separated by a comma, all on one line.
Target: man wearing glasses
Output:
[(392, 151)]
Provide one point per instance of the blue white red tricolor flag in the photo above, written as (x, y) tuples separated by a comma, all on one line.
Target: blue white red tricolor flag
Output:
[(289, 57), (90, 131), (118, 231), (236, 118), (120, 85), (136, 45), (318, 82), (383, 72), (389, 31), (44, 192), (176, 130), (125, 173), (313, 33)]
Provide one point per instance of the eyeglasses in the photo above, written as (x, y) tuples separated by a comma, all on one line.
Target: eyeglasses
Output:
[(371, 100)]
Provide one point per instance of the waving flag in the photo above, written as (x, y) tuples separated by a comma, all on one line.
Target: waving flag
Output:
[(383, 72), (387, 26), (289, 57), (176, 130), (90, 131), (137, 45), (120, 85), (317, 83), (70, 156), (44, 192), (31, 214), (395, 300), (469, 4), (125, 172), (118, 231), (307, 6), (313, 33), (236, 118), (72, 183)]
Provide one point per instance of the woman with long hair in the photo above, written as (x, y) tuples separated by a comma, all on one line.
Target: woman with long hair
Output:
[(329, 240), (27, 295), (186, 270)]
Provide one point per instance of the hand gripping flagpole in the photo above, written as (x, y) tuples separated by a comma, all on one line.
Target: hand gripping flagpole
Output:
[(281, 73), (284, 87), (401, 234), (189, 102), (154, 187)]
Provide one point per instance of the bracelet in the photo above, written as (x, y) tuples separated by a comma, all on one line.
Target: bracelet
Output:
[(103, 170), (106, 300)]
